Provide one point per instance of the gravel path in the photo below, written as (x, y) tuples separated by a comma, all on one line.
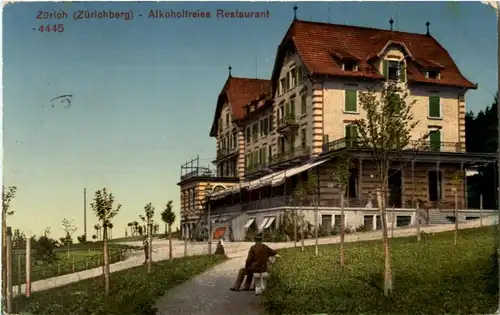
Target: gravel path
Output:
[(208, 293)]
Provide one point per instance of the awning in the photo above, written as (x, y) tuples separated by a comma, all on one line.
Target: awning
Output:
[(269, 222), (228, 191), (279, 180), (263, 224), (249, 222), (263, 181)]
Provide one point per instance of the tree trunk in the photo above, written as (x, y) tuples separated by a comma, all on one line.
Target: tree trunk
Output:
[(150, 247), (170, 242), (166, 229), (456, 217), (106, 262), (4, 253), (393, 219), (342, 229), (185, 240), (302, 230), (68, 249), (385, 238), (294, 228)]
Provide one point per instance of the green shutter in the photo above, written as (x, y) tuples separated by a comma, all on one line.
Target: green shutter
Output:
[(351, 100), (434, 106), (292, 107), (250, 159), (402, 72), (256, 157), (435, 140), (384, 68)]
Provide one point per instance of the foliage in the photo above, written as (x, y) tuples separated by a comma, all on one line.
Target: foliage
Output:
[(44, 249), (66, 240), (304, 284), (18, 240), (82, 238), (168, 214), (8, 195), (134, 292)]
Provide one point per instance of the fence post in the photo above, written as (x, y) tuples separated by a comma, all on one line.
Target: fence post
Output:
[(8, 243), (481, 209), (28, 266), (19, 275)]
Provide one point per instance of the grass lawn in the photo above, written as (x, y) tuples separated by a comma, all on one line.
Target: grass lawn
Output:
[(433, 277), (82, 257), (133, 291)]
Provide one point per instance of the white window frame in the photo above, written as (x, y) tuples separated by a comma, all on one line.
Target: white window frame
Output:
[(281, 87), (398, 61), (354, 69), (438, 74), (345, 125)]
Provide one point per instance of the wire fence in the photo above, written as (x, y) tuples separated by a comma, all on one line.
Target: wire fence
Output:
[(77, 261)]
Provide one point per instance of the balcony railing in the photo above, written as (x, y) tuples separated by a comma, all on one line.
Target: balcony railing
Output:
[(223, 152), (256, 167), (197, 172), (296, 152), (287, 121), (414, 145)]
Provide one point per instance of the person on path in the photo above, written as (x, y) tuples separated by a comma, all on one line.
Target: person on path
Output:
[(256, 262), (145, 245)]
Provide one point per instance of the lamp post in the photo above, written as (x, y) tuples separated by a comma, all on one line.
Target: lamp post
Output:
[(208, 192)]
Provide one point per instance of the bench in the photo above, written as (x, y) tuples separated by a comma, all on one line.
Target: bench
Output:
[(261, 276)]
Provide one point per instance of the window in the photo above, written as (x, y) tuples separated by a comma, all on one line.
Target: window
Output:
[(256, 157), (434, 185), (432, 74), (271, 122), (434, 107), (265, 126), (325, 139), (282, 86), (269, 152), (392, 71), (303, 138), (193, 198), (352, 184), (281, 112), (247, 160), (255, 132), (227, 121), (300, 74), (281, 145), (350, 66), (287, 82), (220, 125), (248, 135), (351, 101), (435, 140), (261, 155), (293, 77), (292, 107), (350, 131), (235, 139), (303, 103)]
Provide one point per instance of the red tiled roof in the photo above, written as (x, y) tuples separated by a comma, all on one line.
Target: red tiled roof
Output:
[(319, 43), (239, 92)]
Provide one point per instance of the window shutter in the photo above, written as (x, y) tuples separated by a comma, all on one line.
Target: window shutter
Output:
[(434, 106), (384, 68), (351, 100), (303, 104), (402, 72), (287, 83), (435, 140)]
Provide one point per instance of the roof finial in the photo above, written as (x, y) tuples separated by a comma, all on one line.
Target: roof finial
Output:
[(230, 69), (295, 12), (428, 24), (391, 21)]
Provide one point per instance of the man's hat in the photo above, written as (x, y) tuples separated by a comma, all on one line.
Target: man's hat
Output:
[(258, 237)]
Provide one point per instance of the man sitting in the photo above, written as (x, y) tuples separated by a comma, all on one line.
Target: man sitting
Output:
[(256, 262)]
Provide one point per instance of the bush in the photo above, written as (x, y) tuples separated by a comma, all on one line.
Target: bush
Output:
[(431, 277), (133, 291)]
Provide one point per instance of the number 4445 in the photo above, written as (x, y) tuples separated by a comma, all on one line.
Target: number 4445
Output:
[(51, 28)]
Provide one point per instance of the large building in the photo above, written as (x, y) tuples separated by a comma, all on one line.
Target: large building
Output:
[(272, 133)]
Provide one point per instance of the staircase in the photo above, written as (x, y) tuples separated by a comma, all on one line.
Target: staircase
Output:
[(437, 217)]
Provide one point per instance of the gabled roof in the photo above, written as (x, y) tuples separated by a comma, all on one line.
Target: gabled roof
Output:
[(238, 92), (318, 44)]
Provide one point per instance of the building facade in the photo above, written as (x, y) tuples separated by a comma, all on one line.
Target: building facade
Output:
[(272, 133)]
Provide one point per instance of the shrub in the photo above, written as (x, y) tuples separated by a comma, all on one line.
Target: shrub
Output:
[(460, 279)]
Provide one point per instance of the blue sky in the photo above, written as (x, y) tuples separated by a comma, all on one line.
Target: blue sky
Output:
[(144, 92)]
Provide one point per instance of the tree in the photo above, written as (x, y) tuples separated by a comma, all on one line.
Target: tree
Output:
[(69, 227), (82, 238), (8, 195), (149, 212), (386, 129), (97, 229), (168, 216), (104, 211), (131, 226), (299, 194), (44, 248), (18, 240), (341, 180), (136, 227)]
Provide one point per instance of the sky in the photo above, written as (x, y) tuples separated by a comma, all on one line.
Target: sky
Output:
[(144, 92)]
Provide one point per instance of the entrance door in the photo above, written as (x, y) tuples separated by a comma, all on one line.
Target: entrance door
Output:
[(395, 188)]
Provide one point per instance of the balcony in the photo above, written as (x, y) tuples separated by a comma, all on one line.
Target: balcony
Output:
[(287, 158), (226, 152), (256, 169), (196, 172), (413, 145), (288, 124)]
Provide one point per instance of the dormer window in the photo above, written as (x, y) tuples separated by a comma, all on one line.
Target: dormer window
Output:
[(432, 74), (394, 70), (350, 66)]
